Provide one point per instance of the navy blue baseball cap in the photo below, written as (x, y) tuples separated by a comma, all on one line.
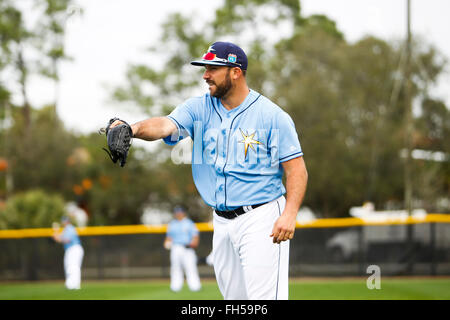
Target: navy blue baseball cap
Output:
[(179, 209), (223, 54)]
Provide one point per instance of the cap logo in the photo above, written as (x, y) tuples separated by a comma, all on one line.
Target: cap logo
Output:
[(232, 58), (209, 56)]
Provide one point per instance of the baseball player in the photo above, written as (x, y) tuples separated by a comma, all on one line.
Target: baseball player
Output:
[(181, 239), (73, 253), (243, 145)]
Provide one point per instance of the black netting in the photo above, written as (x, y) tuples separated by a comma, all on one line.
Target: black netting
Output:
[(420, 249)]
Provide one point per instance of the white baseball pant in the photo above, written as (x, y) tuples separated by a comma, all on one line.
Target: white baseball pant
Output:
[(73, 258), (247, 264), (183, 259)]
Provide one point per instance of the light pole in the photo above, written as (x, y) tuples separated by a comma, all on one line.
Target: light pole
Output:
[(408, 141), (408, 116)]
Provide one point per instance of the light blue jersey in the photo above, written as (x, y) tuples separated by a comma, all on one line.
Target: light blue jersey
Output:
[(237, 154), (70, 233), (182, 231)]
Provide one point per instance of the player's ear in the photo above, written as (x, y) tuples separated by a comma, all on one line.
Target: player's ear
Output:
[(236, 73)]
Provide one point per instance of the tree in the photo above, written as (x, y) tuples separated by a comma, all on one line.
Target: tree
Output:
[(346, 99), (49, 36), (39, 161), (13, 36), (433, 173), (32, 209), (25, 50)]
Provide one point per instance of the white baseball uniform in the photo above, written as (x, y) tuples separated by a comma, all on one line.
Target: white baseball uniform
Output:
[(73, 257), (183, 259), (248, 265)]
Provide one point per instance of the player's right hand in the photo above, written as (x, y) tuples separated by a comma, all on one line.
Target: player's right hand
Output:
[(167, 244)]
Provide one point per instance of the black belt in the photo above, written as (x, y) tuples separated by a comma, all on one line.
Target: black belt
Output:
[(238, 211)]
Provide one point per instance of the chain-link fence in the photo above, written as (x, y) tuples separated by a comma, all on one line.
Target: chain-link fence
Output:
[(398, 249)]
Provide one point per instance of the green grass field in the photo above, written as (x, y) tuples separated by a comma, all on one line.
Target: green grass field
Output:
[(300, 289)]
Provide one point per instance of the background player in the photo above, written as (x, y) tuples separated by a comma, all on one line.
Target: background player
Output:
[(182, 238), (73, 253), (243, 144)]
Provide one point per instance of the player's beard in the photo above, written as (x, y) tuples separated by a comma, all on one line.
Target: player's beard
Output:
[(224, 88)]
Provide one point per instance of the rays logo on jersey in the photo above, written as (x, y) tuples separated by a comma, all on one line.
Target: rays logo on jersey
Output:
[(248, 141)]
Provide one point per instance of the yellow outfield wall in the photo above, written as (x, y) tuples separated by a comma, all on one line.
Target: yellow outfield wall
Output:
[(205, 226)]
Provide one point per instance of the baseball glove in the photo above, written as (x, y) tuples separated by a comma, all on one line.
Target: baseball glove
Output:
[(119, 140)]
